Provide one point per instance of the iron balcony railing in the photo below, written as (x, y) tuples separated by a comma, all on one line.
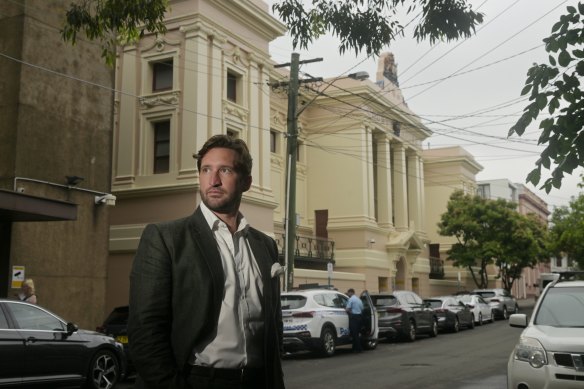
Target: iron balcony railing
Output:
[(310, 252), (436, 268)]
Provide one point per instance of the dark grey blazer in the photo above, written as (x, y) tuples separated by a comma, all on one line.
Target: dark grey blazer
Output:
[(176, 288)]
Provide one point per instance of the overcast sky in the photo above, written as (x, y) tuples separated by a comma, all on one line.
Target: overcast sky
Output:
[(481, 76)]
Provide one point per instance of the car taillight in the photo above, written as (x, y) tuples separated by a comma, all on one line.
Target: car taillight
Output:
[(394, 310), (303, 314), (470, 306), (494, 300)]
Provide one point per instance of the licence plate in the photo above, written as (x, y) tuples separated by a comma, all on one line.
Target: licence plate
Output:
[(122, 339)]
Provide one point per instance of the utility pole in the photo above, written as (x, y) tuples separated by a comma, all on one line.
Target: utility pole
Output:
[(292, 155)]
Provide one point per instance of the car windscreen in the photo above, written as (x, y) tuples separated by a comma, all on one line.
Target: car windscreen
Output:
[(434, 303), (465, 298), (486, 295), (384, 301), (562, 307), (292, 301)]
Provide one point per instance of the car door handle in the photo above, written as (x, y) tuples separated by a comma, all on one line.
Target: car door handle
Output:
[(30, 339)]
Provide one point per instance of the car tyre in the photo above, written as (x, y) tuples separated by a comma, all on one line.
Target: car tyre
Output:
[(456, 326), (505, 313), (104, 371), (327, 342), (411, 331), (480, 318), (434, 328)]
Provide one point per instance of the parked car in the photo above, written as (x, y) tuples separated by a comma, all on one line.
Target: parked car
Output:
[(403, 314), (38, 348), (316, 320), (116, 326), (481, 311), (452, 314), (550, 351), (501, 301)]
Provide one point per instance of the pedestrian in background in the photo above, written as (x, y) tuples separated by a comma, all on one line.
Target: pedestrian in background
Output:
[(27, 292), (205, 290), (355, 310)]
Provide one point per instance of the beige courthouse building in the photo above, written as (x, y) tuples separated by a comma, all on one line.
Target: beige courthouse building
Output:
[(362, 202)]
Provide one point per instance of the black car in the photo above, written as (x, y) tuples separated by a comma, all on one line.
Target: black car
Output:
[(404, 314), (38, 348), (452, 314), (116, 326)]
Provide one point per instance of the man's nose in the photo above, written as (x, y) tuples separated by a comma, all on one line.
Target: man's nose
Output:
[(215, 179)]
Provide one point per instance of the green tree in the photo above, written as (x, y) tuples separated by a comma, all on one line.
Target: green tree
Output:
[(367, 25), (525, 245), (479, 226), (567, 231), (555, 88)]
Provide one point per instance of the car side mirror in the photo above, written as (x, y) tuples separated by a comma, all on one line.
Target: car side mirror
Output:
[(71, 328)]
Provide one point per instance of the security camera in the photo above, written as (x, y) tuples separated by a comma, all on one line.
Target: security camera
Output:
[(107, 199), (371, 240)]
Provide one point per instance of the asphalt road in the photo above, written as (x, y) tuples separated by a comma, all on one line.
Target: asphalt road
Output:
[(470, 359)]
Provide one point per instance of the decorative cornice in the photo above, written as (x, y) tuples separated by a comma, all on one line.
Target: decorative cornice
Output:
[(165, 99), (231, 109)]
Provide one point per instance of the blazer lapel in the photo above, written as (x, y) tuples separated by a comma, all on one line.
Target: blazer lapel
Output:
[(209, 253)]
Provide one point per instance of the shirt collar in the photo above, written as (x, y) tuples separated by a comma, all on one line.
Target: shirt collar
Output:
[(214, 222)]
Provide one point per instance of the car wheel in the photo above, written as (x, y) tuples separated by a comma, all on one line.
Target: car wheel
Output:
[(104, 371), (456, 326), (434, 328), (411, 331), (327, 342), (480, 318), (505, 313)]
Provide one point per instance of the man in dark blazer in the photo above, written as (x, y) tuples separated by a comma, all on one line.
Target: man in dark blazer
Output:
[(204, 314)]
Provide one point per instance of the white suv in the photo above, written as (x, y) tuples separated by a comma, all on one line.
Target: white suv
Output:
[(550, 352), (316, 320)]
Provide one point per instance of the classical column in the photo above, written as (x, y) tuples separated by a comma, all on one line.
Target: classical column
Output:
[(384, 211), (400, 187), (414, 190)]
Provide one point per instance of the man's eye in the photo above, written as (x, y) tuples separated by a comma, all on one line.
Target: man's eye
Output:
[(226, 170)]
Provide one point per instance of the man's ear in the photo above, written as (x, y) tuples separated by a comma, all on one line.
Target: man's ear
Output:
[(246, 183)]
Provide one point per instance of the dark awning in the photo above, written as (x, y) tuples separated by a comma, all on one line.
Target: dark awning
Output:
[(20, 207)]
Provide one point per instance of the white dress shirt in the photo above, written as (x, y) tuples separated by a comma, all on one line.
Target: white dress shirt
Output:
[(240, 331)]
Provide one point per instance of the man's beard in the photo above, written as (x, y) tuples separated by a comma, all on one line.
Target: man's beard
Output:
[(224, 204)]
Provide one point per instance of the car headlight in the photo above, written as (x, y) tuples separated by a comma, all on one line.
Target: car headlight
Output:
[(531, 351)]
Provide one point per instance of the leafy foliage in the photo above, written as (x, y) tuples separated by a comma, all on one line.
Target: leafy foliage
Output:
[(491, 232), (556, 88), (370, 25), (367, 25), (114, 22), (567, 231)]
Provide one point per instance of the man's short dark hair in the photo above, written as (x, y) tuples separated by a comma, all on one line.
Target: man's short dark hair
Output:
[(351, 291), (243, 163)]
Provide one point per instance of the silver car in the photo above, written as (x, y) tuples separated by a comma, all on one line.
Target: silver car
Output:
[(550, 351), (501, 301)]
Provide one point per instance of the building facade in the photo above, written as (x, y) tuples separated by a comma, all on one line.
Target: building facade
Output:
[(55, 159), (360, 192)]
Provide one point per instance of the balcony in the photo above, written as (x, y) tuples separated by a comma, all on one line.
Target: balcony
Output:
[(436, 269), (310, 252)]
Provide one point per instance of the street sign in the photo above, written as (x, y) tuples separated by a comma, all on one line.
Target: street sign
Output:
[(17, 276)]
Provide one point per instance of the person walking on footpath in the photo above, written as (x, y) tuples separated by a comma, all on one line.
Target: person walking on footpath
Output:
[(205, 290), (355, 310)]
